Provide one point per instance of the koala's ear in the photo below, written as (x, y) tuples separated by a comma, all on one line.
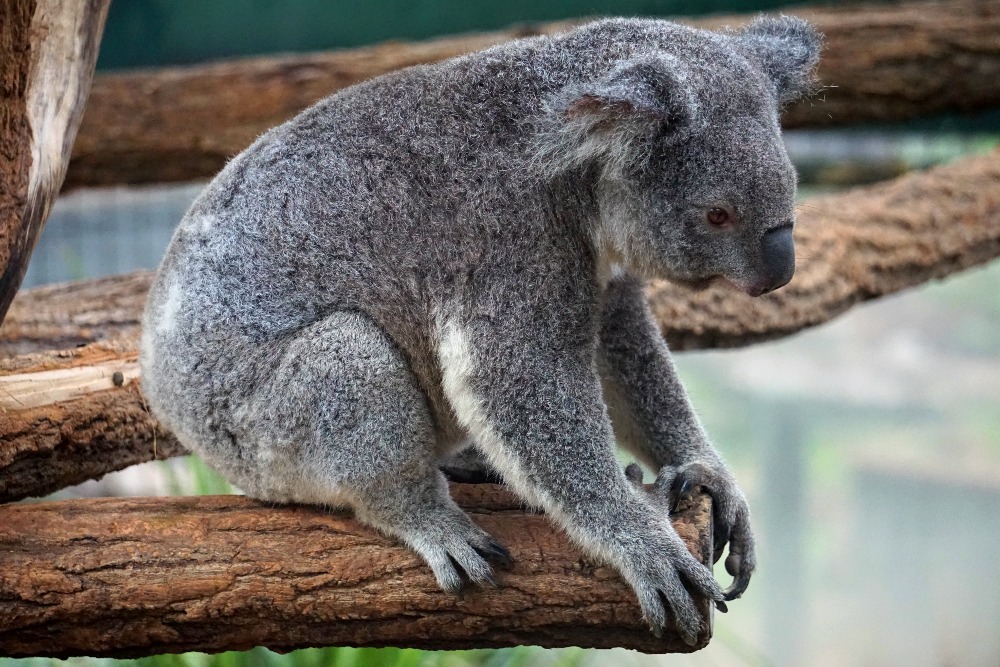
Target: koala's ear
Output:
[(788, 50), (648, 94), (611, 120)]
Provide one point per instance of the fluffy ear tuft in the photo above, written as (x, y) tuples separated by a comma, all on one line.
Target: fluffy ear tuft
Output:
[(612, 119), (788, 49), (650, 93)]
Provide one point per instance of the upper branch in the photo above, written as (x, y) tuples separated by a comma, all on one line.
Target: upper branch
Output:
[(880, 63)]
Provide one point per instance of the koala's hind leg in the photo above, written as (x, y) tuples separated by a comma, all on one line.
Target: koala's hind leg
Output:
[(356, 430)]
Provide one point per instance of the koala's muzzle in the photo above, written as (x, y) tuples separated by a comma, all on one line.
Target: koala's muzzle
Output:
[(777, 253)]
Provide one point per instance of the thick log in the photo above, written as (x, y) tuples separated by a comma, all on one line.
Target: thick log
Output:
[(852, 247), (134, 577), (49, 49), (880, 63), (72, 416)]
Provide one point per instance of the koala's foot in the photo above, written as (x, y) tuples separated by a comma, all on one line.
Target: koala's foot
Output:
[(352, 427), (730, 513), (428, 520)]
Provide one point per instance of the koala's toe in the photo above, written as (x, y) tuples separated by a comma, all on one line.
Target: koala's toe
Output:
[(495, 552), (700, 579), (457, 550), (473, 566), (654, 609), (633, 472), (446, 572), (671, 602), (741, 570), (687, 619)]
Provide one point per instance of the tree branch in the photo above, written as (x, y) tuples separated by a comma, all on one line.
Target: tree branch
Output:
[(132, 577), (49, 48), (879, 63), (853, 246), (65, 420)]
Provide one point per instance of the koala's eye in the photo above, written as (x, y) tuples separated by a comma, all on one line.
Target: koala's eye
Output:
[(719, 217)]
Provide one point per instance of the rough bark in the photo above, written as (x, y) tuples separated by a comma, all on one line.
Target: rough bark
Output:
[(65, 418), (898, 61), (49, 50), (62, 316), (15, 135), (852, 247), (880, 63), (132, 577)]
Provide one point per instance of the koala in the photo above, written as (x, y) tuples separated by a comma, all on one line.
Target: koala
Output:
[(453, 255)]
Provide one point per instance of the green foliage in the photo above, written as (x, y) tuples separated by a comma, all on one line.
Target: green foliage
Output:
[(332, 657), (191, 476)]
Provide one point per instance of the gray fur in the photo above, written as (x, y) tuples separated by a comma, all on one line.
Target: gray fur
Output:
[(455, 252)]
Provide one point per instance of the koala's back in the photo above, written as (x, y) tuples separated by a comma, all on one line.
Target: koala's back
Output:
[(401, 198), (408, 169), (312, 215)]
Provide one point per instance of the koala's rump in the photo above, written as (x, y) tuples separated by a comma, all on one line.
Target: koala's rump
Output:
[(275, 244)]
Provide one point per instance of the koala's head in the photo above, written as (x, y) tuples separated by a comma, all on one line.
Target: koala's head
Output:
[(693, 179)]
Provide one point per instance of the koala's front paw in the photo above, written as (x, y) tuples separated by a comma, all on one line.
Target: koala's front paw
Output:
[(658, 574), (730, 514)]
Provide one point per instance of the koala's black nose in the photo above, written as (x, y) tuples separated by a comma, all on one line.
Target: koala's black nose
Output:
[(778, 258)]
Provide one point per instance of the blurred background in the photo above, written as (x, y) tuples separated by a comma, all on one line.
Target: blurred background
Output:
[(869, 447)]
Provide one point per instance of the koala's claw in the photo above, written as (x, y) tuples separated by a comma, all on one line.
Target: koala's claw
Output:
[(681, 488), (635, 475), (496, 552), (731, 525), (730, 515), (453, 573), (462, 557), (463, 573), (669, 599), (659, 577)]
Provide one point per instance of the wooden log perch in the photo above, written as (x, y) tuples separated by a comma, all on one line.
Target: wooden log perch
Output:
[(880, 63), (63, 316), (132, 577), (49, 48), (64, 420)]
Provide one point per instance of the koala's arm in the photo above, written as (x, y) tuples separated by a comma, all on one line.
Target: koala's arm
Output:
[(530, 396), (652, 415), (653, 419)]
